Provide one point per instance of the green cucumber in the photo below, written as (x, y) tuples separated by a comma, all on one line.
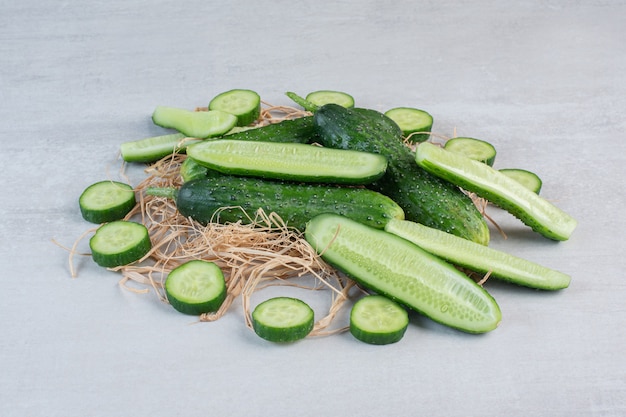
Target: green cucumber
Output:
[(476, 149), (226, 198), (424, 197), (244, 104), (283, 319), (196, 287), (300, 130), (534, 211), (119, 243), (289, 161), (154, 148), (412, 122), (321, 97), (191, 170), (303, 102), (194, 124), (479, 258), (394, 267), (528, 179), (106, 201), (378, 320)]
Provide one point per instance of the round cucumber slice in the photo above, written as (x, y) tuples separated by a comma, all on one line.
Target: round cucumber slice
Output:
[(283, 319), (528, 179), (322, 97), (412, 121), (119, 243), (378, 320), (244, 104), (475, 149), (106, 201), (196, 287)]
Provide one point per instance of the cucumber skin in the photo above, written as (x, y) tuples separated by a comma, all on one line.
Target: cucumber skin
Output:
[(295, 203), (424, 198)]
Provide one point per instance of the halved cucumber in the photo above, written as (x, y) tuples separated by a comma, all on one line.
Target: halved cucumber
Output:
[(528, 179), (106, 201), (321, 97), (412, 121), (378, 320), (119, 243), (476, 149), (194, 124), (244, 104), (154, 148), (480, 258), (283, 319), (196, 287), (490, 184), (289, 161), (402, 271)]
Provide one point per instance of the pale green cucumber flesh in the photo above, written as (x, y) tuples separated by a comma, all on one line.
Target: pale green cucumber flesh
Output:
[(289, 161), (400, 270), (412, 121), (154, 148), (479, 258), (119, 243), (476, 149), (283, 319), (322, 97), (378, 320), (528, 179), (106, 201), (196, 287), (194, 124), (486, 182), (244, 104)]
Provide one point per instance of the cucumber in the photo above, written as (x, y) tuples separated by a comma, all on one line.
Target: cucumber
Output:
[(191, 170), (106, 201), (476, 149), (424, 197), (289, 161), (490, 184), (528, 179), (479, 258), (227, 198), (300, 130), (412, 121), (321, 97), (196, 287), (378, 320), (244, 104), (194, 124), (396, 268), (154, 148), (119, 243), (283, 319)]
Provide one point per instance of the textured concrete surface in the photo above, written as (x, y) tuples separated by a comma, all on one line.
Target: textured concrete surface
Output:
[(544, 81)]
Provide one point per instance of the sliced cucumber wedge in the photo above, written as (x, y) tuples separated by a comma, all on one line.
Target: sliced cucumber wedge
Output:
[(394, 267), (244, 104), (196, 287), (289, 161), (283, 319), (119, 243), (412, 121), (476, 149), (533, 210), (106, 201), (154, 148), (194, 124), (528, 179), (480, 258), (321, 97), (378, 320)]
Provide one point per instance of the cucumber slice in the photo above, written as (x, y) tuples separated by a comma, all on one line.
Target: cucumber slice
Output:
[(480, 258), (475, 149), (194, 124), (400, 270), (106, 201), (154, 148), (283, 319), (528, 179), (244, 104), (412, 121), (196, 287), (378, 320), (289, 161), (321, 97), (119, 243), (490, 184)]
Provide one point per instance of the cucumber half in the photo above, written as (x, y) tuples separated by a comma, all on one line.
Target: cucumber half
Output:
[(154, 148), (283, 319), (196, 287), (378, 320)]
